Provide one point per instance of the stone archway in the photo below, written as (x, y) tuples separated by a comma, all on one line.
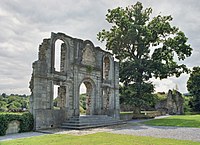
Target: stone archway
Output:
[(90, 96), (80, 62)]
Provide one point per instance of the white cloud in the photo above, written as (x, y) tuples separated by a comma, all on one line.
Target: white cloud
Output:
[(171, 83), (25, 23), (163, 85)]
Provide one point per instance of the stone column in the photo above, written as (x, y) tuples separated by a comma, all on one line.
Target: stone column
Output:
[(76, 92), (116, 91)]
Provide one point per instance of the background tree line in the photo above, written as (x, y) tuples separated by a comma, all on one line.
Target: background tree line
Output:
[(14, 103)]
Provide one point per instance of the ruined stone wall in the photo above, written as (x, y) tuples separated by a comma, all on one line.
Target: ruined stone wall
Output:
[(173, 104), (80, 62)]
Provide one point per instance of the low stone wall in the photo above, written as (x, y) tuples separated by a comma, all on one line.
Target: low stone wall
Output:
[(45, 119), (143, 115), (13, 127), (152, 113), (126, 116)]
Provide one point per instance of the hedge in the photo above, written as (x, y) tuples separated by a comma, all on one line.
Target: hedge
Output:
[(25, 119)]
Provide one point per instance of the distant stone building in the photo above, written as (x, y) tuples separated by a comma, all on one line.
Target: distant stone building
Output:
[(173, 104), (80, 62)]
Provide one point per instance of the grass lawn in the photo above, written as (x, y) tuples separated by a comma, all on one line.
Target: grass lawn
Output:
[(180, 120), (96, 139)]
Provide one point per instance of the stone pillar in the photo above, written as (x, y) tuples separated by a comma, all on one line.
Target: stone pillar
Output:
[(62, 97), (76, 92), (63, 57), (116, 91), (98, 96)]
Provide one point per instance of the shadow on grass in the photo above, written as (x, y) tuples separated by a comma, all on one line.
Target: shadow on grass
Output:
[(131, 127)]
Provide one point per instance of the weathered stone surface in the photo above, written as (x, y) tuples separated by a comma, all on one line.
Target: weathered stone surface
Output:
[(80, 62), (88, 56), (173, 104), (13, 127)]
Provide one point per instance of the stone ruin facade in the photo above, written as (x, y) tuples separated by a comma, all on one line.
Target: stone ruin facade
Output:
[(172, 105), (80, 62)]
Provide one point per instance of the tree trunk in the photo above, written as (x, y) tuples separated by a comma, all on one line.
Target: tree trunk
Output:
[(137, 110)]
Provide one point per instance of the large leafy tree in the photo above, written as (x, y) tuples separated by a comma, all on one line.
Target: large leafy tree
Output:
[(145, 47), (193, 86)]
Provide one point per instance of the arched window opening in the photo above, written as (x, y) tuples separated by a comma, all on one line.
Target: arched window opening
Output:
[(106, 68), (59, 97), (55, 97), (58, 54)]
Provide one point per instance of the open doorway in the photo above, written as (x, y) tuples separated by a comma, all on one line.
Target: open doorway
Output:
[(55, 97), (85, 98), (59, 97), (82, 99)]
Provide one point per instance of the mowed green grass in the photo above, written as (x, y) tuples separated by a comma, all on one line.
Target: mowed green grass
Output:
[(96, 139), (180, 120)]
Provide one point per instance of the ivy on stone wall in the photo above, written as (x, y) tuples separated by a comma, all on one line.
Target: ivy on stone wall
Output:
[(89, 69), (25, 119)]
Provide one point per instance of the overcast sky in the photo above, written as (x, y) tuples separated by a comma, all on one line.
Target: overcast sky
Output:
[(25, 23)]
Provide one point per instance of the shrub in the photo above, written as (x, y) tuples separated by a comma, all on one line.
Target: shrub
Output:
[(82, 111), (26, 123), (25, 119)]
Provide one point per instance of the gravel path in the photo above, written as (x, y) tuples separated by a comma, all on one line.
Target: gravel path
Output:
[(181, 133), (20, 135), (132, 128)]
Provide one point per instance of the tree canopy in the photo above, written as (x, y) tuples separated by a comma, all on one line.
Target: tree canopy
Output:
[(146, 47), (13, 103), (193, 86)]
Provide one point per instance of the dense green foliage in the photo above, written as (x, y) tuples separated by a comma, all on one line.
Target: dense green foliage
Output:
[(145, 47), (128, 96), (82, 104), (181, 120), (83, 101), (13, 103), (96, 139), (193, 86), (25, 119), (187, 104), (161, 95)]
